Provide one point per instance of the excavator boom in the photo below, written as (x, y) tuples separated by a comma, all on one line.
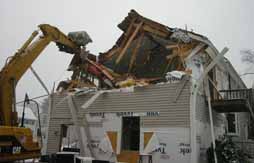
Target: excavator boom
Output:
[(16, 142), (20, 62)]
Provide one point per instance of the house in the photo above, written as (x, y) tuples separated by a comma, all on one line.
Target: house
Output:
[(176, 94)]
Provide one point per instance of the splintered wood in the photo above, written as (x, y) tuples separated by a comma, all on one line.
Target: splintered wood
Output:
[(145, 50), (128, 43)]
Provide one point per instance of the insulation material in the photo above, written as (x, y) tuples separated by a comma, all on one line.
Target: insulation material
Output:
[(174, 76), (101, 144), (180, 35), (196, 65), (168, 145)]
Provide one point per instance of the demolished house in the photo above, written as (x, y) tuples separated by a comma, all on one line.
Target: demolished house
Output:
[(159, 94)]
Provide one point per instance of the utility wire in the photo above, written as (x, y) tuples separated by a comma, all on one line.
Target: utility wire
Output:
[(33, 98)]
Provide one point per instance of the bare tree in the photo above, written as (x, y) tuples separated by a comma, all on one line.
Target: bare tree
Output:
[(248, 56)]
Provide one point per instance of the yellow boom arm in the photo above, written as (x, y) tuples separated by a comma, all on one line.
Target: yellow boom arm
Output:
[(18, 65)]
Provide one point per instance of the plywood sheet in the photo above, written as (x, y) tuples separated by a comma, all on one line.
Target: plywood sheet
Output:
[(147, 137), (113, 139)]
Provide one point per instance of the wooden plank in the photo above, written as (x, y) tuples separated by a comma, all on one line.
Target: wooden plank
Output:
[(128, 42), (213, 63), (113, 139), (169, 62), (128, 156), (195, 50), (215, 87), (183, 51), (83, 136), (112, 53), (171, 46), (147, 137), (127, 33), (180, 64), (101, 68), (155, 31), (171, 56), (134, 54)]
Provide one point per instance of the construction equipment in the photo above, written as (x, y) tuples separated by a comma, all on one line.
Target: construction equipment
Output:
[(16, 143)]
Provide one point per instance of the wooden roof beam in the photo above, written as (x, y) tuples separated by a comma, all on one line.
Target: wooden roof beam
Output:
[(135, 51), (128, 42)]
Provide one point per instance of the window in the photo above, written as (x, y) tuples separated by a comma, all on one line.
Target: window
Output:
[(130, 133), (232, 126), (251, 128), (229, 82)]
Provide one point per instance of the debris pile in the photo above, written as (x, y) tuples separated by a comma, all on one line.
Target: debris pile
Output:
[(144, 54)]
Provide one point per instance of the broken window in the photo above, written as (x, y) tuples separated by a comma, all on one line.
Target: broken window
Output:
[(130, 133), (232, 127)]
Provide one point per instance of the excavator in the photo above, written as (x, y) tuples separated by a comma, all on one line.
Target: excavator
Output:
[(16, 142)]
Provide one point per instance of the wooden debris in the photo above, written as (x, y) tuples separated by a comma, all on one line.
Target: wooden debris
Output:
[(128, 43), (146, 46), (133, 56)]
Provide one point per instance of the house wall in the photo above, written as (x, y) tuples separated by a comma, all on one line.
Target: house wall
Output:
[(242, 117), (204, 139), (202, 121), (154, 98), (159, 107)]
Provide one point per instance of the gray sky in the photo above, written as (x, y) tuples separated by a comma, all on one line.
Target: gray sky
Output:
[(225, 22)]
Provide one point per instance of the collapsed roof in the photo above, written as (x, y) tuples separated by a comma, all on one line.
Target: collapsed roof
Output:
[(148, 49), (145, 52)]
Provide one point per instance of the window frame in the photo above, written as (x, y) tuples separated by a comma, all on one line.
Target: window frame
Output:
[(248, 129), (236, 126)]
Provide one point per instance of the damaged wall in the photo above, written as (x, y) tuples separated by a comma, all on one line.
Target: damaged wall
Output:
[(143, 100)]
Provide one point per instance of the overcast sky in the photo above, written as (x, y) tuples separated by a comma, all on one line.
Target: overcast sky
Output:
[(225, 22)]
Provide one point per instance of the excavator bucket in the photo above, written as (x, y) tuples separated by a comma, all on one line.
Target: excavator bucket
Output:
[(80, 38)]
